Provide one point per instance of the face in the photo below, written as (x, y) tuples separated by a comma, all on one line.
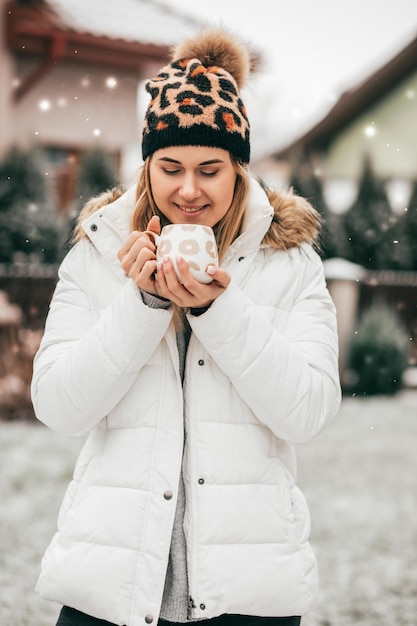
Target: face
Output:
[(192, 184)]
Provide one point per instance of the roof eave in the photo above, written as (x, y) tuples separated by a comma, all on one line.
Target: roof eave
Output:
[(33, 30), (353, 102)]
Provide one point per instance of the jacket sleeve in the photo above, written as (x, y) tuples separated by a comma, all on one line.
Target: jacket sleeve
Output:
[(284, 366), (85, 364)]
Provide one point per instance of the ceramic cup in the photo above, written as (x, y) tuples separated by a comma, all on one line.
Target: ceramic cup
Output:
[(195, 243)]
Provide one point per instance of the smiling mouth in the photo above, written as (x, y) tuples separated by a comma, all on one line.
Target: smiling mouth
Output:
[(191, 209)]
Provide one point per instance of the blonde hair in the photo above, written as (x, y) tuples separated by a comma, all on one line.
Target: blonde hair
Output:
[(227, 229)]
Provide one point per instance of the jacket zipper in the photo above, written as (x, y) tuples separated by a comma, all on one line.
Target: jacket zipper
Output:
[(191, 501), (191, 606)]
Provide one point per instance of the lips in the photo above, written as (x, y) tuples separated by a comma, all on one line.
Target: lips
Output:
[(191, 209)]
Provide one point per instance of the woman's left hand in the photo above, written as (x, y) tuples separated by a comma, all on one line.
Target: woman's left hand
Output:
[(189, 292)]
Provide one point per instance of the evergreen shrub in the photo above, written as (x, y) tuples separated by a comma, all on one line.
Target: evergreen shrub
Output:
[(379, 352), (96, 175), (28, 224)]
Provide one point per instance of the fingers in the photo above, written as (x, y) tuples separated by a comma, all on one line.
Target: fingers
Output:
[(154, 225), (186, 291), (137, 258), (133, 244), (134, 264), (168, 285), (127, 244), (219, 275), (137, 249)]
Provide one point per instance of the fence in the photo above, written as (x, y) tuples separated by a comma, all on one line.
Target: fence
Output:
[(25, 293), (30, 286), (354, 289), (399, 291)]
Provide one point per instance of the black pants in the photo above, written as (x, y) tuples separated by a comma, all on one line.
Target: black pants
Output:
[(71, 617)]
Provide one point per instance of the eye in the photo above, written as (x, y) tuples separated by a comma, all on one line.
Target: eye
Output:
[(208, 174), (170, 172)]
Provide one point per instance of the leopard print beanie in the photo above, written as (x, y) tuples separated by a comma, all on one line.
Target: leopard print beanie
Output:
[(195, 100)]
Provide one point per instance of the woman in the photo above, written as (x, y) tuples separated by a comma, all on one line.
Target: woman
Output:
[(183, 504)]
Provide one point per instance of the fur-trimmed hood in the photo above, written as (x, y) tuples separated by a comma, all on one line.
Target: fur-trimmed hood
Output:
[(295, 222), (296, 219)]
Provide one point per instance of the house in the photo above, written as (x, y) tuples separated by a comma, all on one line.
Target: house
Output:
[(377, 119), (70, 72)]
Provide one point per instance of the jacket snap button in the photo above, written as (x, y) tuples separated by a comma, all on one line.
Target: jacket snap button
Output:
[(149, 619), (202, 607), (201, 362), (168, 495), (201, 481), (93, 227)]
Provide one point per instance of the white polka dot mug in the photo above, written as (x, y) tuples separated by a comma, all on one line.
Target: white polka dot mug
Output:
[(195, 243)]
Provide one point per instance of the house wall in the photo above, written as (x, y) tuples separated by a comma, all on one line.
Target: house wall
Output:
[(386, 132), (74, 106)]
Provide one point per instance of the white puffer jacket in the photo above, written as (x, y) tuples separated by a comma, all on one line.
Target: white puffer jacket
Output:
[(261, 371)]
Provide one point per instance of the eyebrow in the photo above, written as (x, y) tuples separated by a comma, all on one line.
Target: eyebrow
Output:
[(210, 162)]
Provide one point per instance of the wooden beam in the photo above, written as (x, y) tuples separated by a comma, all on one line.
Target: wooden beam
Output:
[(56, 52)]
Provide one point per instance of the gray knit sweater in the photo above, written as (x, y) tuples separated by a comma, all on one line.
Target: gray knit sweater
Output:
[(175, 599)]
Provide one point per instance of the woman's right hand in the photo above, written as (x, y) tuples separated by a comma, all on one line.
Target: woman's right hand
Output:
[(137, 257)]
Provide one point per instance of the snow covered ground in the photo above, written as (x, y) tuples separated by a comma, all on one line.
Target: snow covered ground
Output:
[(359, 477), (35, 467)]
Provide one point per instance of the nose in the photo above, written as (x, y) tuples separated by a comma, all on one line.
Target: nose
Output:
[(190, 189)]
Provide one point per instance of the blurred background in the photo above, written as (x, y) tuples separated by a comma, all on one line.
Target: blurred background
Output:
[(333, 111)]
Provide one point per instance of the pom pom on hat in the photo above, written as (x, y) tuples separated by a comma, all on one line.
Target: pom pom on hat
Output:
[(196, 100), (217, 48)]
